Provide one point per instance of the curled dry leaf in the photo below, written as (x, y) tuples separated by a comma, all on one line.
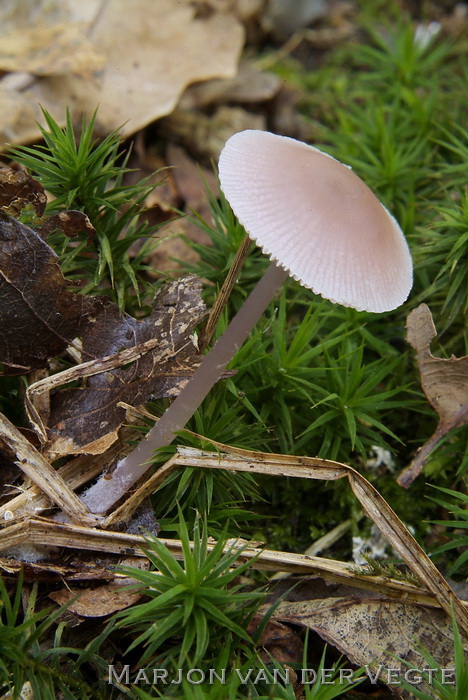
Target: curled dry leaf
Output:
[(55, 571), (445, 383), (167, 48), (17, 189), (249, 86), (372, 633), (39, 316)]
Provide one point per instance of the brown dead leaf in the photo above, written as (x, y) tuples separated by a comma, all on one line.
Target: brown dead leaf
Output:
[(71, 223), (172, 250), (166, 49), (445, 383), (87, 418), (54, 571), (96, 602), (39, 317), (131, 361), (278, 640), (105, 599), (17, 189), (369, 632)]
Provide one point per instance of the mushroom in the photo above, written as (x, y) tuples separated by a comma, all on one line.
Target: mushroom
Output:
[(320, 224)]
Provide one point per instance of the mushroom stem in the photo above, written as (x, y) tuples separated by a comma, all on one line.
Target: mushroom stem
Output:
[(102, 495)]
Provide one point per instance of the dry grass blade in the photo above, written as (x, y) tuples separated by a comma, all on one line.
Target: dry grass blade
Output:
[(33, 464), (375, 507), (40, 531), (75, 473), (228, 458)]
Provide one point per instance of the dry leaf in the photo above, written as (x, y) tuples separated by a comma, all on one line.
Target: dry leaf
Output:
[(249, 86), (131, 361), (207, 134), (368, 632), (39, 317), (166, 48), (87, 418), (105, 599), (17, 189), (278, 640), (71, 222), (55, 571), (445, 383), (48, 50), (96, 602)]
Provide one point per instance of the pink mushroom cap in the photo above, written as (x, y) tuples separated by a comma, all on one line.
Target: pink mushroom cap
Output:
[(317, 219)]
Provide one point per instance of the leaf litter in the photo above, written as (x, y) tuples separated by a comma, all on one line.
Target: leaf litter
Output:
[(445, 383), (40, 318), (69, 53)]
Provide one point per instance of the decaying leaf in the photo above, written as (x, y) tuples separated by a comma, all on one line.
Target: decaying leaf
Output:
[(373, 632), (39, 316), (123, 360), (71, 222), (17, 189), (445, 383), (167, 47), (206, 135), (96, 602), (278, 640), (54, 570), (105, 599), (87, 418)]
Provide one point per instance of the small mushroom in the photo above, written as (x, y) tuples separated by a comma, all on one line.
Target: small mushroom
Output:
[(320, 224), (317, 219)]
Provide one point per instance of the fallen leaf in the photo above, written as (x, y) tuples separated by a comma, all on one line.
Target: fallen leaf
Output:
[(87, 418), (373, 632), (96, 602), (278, 640), (191, 179), (132, 361), (48, 50), (17, 189), (167, 48), (172, 250), (54, 571), (71, 222), (39, 316), (445, 383), (105, 599)]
